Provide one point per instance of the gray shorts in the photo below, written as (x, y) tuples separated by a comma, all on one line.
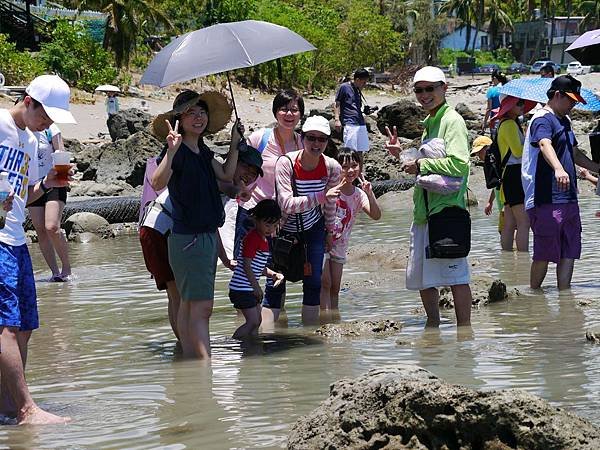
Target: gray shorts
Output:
[(193, 259)]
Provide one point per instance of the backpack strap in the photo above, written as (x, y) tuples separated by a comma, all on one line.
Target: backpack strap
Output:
[(508, 153), (264, 140)]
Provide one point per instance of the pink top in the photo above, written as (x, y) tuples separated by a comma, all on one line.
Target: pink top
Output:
[(264, 187), (346, 209), (312, 186)]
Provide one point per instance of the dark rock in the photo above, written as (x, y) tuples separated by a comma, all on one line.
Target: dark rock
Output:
[(405, 115), (359, 328), (581, 115), (124, 160), (593, 336), (84, 222), (127, 122), (406, 407), (466, 112), (497, 292)]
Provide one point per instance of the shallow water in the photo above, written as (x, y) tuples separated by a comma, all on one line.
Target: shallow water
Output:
[(104, 352)]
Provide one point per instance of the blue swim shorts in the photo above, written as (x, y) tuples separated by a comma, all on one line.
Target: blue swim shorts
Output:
[(18, 299)]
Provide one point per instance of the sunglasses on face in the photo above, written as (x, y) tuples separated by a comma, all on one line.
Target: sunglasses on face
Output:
[(429, 89), (285, 110), (521, 103), (311, 138)]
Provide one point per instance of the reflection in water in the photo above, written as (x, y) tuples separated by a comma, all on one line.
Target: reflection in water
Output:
[(105, 353)]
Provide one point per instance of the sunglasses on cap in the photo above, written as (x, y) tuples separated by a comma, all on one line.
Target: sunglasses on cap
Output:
[(311, 138), (430, 89)]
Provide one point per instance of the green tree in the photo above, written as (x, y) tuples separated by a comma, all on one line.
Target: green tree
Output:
[(590, 10), (497, 19), (76, 57), (369, 37), (127, 20), (463, 10), (18, 67)]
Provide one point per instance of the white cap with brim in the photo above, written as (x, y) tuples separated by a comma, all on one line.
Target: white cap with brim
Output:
[(431, 74), (317, 123), (54, 94)]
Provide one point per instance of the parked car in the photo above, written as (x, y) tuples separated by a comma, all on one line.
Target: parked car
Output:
[(535, 68), (518, 68), (489, 68), (575, 68)]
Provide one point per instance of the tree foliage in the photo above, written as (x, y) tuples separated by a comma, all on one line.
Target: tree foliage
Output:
[(18, 67), (76, 57)]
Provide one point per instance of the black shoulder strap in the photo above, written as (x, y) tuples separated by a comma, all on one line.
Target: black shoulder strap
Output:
[(508, 153)]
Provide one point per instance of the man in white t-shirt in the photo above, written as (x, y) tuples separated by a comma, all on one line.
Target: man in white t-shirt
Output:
[(46, 101)]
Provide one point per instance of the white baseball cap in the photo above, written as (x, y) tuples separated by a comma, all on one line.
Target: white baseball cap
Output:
[(317, 123), (429, 73), (54, 94)]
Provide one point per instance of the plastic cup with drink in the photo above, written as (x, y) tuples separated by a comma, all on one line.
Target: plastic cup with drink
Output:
[(62, 164)]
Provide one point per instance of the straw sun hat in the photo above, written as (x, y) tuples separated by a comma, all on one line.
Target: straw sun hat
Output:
[(219, 111)]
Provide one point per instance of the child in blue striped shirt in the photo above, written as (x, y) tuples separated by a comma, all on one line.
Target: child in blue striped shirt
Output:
[(244, 290)]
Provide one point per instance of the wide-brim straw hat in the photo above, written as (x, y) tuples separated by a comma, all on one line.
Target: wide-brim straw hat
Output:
[(219, 113)]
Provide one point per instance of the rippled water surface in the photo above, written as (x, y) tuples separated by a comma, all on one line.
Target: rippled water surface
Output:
[(104, 352)]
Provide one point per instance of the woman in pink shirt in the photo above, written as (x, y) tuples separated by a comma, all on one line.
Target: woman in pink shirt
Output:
[(288, 109)]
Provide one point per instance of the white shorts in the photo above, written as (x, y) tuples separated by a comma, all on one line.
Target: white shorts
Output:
[(423, 273), (356, 137)]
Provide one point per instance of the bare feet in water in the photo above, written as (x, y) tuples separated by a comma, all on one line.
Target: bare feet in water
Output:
[(37, 416)]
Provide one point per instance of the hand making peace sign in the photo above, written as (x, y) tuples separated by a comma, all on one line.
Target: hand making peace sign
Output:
[(173, 138)]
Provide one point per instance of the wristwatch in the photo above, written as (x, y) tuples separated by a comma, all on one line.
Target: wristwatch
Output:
[(45, 189)]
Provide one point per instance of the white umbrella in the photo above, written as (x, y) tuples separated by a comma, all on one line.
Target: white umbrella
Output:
[(107, 88), (220, 48)]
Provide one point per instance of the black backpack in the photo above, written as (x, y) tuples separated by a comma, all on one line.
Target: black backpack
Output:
[(493, 166)]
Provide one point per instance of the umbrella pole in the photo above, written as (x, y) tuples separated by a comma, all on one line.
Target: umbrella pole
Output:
[(232, 98)]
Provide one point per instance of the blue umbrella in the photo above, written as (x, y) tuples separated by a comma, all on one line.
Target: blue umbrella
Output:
[(535, 89)]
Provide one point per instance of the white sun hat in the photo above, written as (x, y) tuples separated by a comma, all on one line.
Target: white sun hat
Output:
[(431, 74), (317, 123), (54, 94)]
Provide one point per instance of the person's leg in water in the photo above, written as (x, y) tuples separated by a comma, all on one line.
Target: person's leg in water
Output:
[(431, 302), (336, 270), (537, 273), (13, 381), (173, 306), (250, 327), (311, 284), (272, 304), (463, 299), (326, 286), (193, 327), (38, 218), (564, 273), (522, 224), (507, 235), (54, 209)]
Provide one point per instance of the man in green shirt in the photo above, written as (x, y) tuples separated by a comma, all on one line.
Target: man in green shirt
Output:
[(427, 274)]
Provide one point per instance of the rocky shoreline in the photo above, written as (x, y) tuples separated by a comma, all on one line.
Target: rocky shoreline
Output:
[(406, 407)]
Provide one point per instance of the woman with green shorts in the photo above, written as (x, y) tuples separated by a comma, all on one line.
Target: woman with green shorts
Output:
[(188, 167)]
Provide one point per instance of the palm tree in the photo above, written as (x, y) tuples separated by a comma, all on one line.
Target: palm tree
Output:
[(127, 19), (463, 10), (497, 20), (590, 10)]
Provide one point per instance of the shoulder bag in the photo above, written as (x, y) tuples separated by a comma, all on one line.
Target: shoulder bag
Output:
[(289, 248)]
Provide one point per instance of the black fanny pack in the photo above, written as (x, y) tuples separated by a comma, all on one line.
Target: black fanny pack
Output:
[(449, 232)]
